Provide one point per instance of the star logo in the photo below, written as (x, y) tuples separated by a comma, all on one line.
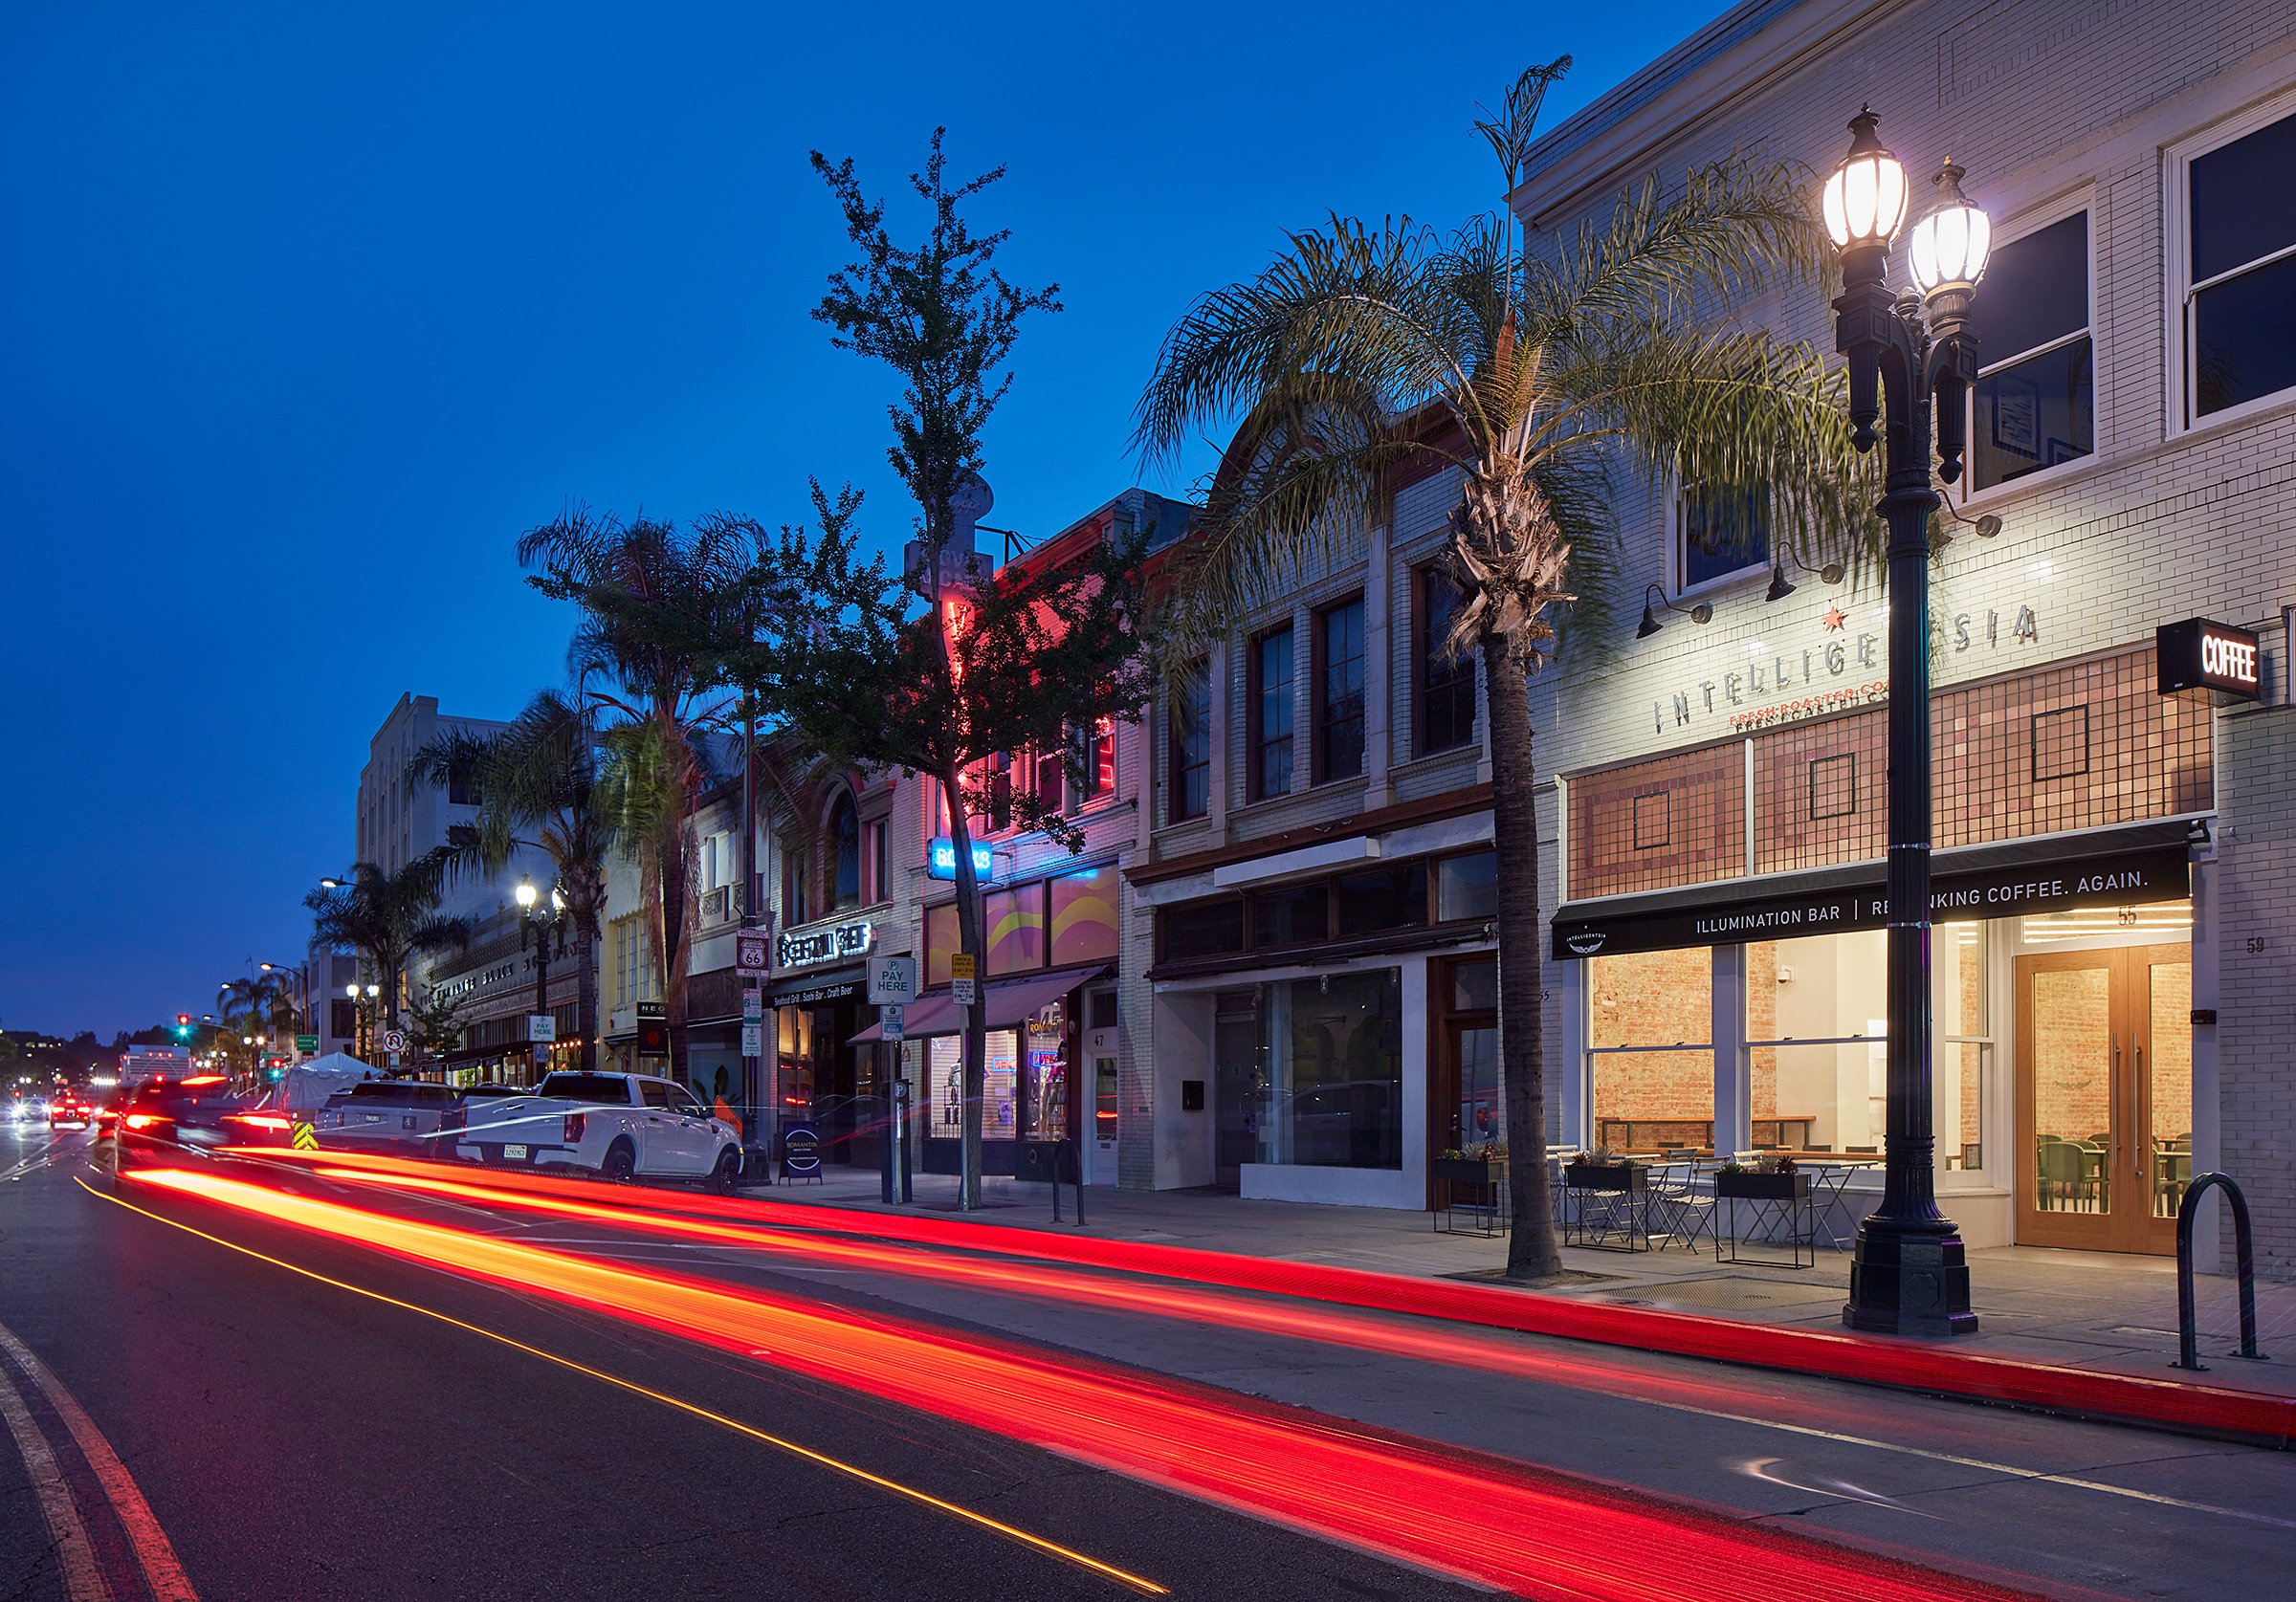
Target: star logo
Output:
[(1835, 618)]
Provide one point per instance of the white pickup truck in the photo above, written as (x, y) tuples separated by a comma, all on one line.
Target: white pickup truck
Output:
[(613, 1124)]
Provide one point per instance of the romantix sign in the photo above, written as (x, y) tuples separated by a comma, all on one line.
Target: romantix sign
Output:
[(2157, 873), (2198, 654)]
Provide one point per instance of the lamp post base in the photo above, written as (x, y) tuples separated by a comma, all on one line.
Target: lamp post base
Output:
[(1908, 1280)]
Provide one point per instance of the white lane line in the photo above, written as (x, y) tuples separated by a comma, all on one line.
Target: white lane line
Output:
[(154, 1552), (67, 1536)]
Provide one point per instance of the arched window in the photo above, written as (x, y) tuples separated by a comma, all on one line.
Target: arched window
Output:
[(845, 852)]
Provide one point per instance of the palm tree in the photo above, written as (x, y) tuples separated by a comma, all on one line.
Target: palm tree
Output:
[(1538, 381), (388, 919), (651, 597), (538, 786), (262, 1005)]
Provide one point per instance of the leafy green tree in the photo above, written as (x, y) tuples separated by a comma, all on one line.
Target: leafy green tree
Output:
[(538, 784), (388, 919), (940, 699), (1538, 381), (862, 678), (647, 592)]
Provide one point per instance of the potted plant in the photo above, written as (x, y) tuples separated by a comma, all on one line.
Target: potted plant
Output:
[(1772, 1177), (1601, 1171), (1478, 1165)]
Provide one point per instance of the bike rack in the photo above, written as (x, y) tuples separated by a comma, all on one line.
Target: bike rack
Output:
[(2188, 1336)]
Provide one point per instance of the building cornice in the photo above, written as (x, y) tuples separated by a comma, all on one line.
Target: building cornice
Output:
[(1451, 803), (1730, 60)]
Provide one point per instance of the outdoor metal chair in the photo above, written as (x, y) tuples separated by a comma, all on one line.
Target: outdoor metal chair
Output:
[(1679, 1211)]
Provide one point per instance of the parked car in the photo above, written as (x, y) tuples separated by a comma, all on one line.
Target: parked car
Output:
[(401, 1115), (615, 1125)]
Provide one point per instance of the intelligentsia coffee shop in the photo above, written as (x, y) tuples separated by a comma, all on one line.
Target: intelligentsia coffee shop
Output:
[(2113, 744)]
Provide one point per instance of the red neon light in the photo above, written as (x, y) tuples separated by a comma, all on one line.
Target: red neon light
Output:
[(1532, 1531), (2209, 1409)]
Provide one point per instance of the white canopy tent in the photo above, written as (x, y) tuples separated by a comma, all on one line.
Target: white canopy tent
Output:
[(306, 1087)]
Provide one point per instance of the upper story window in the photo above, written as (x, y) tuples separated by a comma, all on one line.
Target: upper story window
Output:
[(1050, 781), (845, 854), (1271, 715), (1189, 746), (1095, 758), (796, 904), (2239, 288), (1340, 690), (1719, 532), (1446, 683), (1000, 791), (876, 863), (2035, 401)]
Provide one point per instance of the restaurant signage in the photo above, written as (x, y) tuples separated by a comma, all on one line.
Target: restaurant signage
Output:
[(2198, 654), (941, 859), (2157, 873), (824, 942), (816, 994)]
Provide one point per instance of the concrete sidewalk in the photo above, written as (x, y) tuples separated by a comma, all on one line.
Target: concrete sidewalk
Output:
[(2084, 1309)]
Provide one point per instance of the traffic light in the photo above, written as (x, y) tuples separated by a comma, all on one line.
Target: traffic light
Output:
[(183, 1026)]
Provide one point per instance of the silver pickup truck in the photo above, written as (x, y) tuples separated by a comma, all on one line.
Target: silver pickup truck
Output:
[(613, 1124), (384, 1115)]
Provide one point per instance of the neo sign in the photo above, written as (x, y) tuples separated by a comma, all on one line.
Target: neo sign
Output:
[(802, 948), (941, 859), (2198, 654)]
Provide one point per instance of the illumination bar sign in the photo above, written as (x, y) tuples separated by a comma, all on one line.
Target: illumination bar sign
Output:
[(941, 859), (2198, 654)]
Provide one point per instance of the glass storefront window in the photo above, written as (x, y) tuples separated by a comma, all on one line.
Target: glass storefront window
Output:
[(1290, 916), (1383, 898), (2157, 920), (1202, 929), (1649, 1023), (1014, 929), (940, 942), (998, 1120), (1333, 1050), (1047, 1065), (1817, 1027), (1467, 887), (1084, 917)]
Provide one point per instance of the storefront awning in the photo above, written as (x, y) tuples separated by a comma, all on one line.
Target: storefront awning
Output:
[(1008, 1002), (2099, 867)]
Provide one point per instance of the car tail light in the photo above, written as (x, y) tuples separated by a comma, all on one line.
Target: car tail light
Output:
[(260, 1120), (572, 1133), (140, 1120)]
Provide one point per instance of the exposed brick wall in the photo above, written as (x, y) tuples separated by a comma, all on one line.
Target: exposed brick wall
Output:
[(2254, 880)]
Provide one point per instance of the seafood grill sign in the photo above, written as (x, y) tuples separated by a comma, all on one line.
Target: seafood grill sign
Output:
[(2153, 874), (824, 942)]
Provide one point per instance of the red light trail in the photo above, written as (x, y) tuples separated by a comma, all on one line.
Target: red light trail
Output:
[(2213, 1410), (1531, 1532)]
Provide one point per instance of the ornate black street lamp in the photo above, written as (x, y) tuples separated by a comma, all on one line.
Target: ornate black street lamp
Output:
[(1911, 361), (540, 925)]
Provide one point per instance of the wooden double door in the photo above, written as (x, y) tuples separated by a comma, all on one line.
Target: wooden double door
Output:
[(2104, 1097)]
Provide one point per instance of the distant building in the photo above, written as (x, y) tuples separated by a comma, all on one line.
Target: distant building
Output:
[(398, 822)]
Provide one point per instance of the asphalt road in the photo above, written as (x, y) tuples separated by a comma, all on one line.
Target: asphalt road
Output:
[(295, 1438)]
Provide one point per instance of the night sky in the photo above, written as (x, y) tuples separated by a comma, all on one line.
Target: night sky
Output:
[(306, 312)]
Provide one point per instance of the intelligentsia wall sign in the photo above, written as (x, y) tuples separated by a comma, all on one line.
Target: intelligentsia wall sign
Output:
[(1822, 670), (2157, 873)]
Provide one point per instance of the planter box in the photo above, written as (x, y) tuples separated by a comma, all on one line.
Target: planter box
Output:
[(1763, 1187), (1619, 1176), (1471, 1170)]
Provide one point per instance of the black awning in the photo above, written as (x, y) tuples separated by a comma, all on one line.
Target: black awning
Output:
[(2049, 873)]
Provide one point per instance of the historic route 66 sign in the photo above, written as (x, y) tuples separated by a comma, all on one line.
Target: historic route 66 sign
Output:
[(753, 950)]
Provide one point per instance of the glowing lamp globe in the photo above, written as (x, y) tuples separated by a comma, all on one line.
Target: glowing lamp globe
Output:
[(525, 892), (1865, 200), (1951, 243)]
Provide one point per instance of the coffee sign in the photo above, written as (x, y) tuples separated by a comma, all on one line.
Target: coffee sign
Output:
[(2198, 654)]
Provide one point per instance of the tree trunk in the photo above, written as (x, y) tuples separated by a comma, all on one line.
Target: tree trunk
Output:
[(1530, 1251), (976, 1016)]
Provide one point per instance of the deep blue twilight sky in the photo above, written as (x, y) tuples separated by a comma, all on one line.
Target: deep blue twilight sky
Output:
[(307, 311)]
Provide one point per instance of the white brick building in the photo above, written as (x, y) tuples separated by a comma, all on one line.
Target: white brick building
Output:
[(2134, 433)]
